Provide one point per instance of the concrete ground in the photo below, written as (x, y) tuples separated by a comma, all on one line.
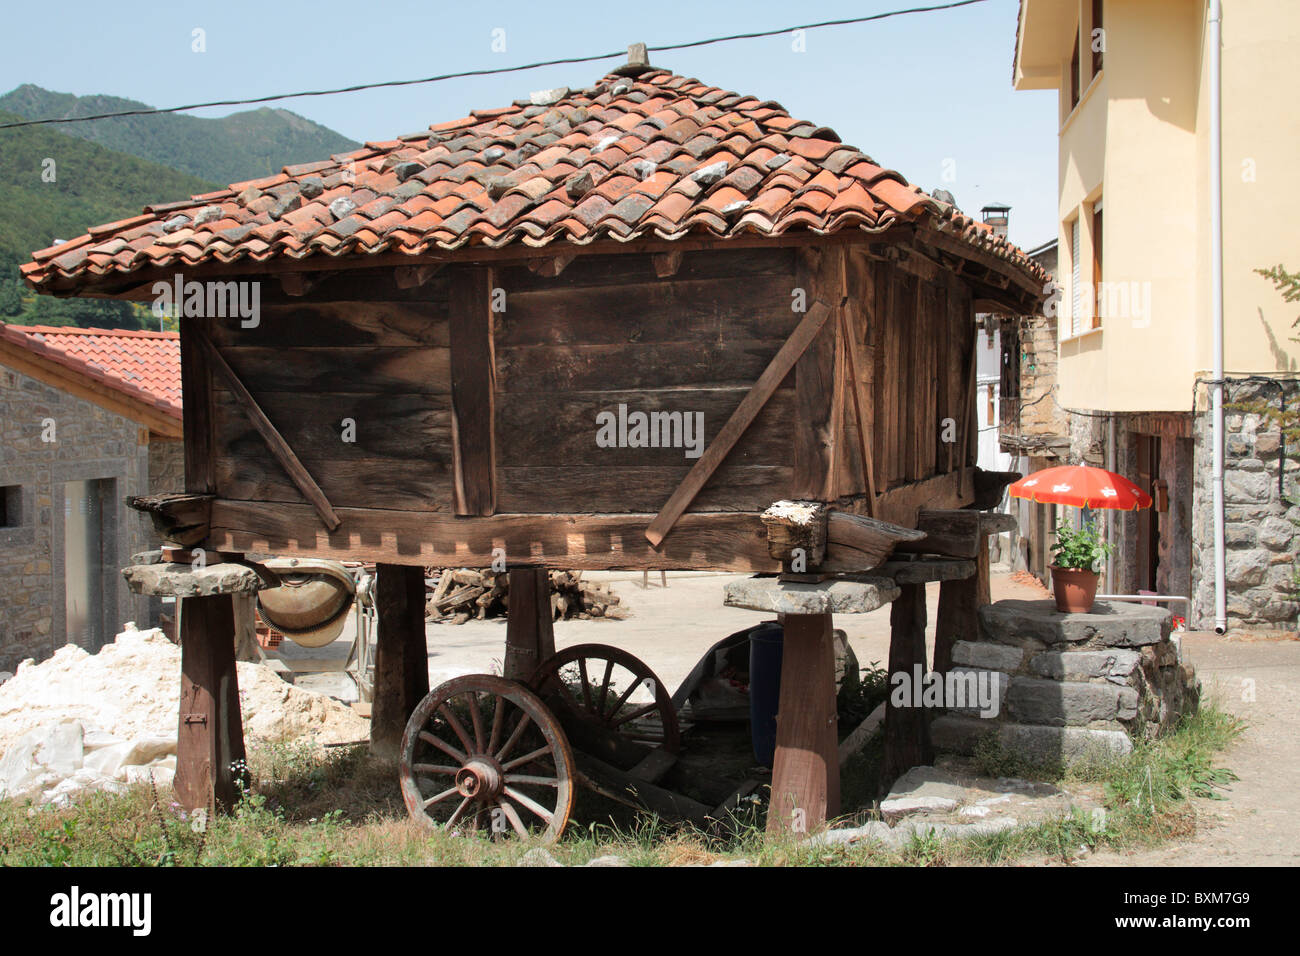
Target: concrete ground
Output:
[(671, 628), (1259, 823)]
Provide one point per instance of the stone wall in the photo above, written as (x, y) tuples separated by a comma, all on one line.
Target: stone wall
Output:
[(1071, 686), (1262, 534), (90, 443)]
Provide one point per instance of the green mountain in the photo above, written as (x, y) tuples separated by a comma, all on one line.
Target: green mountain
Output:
[(54, 187), (90, 185), (227, 150)]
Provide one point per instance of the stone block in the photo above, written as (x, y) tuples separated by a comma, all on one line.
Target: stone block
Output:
[(1108, 624), (1069, 703), (1039, 744), (1276, 533), (827, 597), (1082, 665), (975, 691), (1246, 568), (998, 657)]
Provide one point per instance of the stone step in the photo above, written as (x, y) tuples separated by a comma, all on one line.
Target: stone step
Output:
[(1109, 624)]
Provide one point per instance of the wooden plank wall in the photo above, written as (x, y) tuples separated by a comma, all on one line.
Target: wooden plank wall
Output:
[(916, 336), (607, 331), (363, 349)]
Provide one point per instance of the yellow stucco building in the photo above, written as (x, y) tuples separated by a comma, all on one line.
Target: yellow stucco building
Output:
[(1136, 308)]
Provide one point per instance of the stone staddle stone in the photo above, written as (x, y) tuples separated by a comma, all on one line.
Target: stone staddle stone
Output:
[(186, 581), (825, 597)]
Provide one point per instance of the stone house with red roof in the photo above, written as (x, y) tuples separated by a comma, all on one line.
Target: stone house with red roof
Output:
[(87, 418)]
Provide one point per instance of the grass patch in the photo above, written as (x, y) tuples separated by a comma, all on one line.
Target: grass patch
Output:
[(310, 807)]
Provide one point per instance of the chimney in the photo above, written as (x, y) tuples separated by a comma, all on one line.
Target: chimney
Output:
[(997, 215)]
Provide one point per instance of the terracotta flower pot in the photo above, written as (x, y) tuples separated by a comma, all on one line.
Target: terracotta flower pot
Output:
[(1074, 589)]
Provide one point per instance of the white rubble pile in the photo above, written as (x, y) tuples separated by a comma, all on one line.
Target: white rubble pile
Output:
[(80, 722)]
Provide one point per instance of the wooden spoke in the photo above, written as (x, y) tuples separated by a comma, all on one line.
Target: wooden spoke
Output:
[(460, 812), (497, 713), (457, 727), (586, 683), (513, 816), (442, 745), (477, 720), (434, 768), (604, 687), (618, 705), (520, 778), (632, 715), (526, 758), (529, 802), (514, 737), (440, 797)]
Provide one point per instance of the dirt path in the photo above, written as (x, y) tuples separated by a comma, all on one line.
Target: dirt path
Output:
[(1259, 823)]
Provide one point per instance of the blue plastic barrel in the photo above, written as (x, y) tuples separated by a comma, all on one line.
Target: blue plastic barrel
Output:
[(766, 643)]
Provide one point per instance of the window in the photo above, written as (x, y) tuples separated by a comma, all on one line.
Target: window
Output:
[(1096, 264), (1074, 73), (1097, 38), (11, 506), (1076, 279)]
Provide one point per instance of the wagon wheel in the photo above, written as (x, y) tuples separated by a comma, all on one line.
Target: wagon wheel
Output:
[(484, 753), (621, 707)]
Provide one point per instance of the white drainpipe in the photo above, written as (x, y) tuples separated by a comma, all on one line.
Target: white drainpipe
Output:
[(1214, 40)]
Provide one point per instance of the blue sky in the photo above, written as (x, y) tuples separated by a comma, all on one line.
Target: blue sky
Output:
[(928, 95)]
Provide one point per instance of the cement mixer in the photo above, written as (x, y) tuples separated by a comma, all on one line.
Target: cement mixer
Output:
[(311, 605)]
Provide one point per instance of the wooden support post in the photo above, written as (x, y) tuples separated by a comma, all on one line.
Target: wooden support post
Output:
[(957, 607), (907, 729), (983, 589), (806, 771), (401, 655), (530, 634), (210, 736)]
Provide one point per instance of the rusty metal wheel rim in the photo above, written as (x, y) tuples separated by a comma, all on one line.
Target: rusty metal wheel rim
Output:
[(485, 773), (597, 702)]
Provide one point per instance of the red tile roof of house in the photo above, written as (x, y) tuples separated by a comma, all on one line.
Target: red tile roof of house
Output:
[(656, 155), (145, 366)]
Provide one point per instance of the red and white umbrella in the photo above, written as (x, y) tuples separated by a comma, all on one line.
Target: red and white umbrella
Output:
[(1082, 486)]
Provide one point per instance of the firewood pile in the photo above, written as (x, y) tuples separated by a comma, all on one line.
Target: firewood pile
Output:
[(463, 594)]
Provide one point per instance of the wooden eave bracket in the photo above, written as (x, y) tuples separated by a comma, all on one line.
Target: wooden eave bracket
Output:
[(274, 441), (184, 519), (836, 539)]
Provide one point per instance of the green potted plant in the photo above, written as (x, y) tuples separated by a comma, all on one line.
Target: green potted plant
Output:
[(1076, 569)]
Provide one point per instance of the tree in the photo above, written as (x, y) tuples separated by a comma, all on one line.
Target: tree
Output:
[(82, 313)]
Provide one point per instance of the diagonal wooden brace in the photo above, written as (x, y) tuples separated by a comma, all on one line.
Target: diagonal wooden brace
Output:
[(274, 441), (740, 420)]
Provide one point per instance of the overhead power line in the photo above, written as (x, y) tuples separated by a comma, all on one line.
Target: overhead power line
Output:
[(152, 111)]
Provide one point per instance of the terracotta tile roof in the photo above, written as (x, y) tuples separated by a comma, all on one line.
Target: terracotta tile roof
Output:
[(145, 366), (657, 155)]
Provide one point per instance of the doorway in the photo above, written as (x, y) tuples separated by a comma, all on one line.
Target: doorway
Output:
[(1147, 563), (85, 560)]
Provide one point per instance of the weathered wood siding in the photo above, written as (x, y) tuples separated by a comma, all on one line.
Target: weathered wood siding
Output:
[(355, 348), (608, 331)]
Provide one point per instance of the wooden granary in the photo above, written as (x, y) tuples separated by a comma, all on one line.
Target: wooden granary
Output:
[(594, 329)]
